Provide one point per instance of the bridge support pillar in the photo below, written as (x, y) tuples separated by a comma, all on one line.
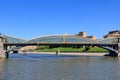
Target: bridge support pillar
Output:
[(118, 47), (2, 53)]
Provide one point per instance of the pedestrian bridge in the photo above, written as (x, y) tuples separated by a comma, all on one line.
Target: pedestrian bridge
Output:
[(110, 44), (61, 39)]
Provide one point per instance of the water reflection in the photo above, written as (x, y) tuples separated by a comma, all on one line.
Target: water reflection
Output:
[(3, 66), (51, 67)]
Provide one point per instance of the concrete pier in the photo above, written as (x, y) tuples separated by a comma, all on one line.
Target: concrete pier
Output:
[(2, 53), (119, 49)]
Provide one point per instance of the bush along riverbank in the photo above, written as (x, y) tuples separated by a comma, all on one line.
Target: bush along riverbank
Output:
[(70, 49)]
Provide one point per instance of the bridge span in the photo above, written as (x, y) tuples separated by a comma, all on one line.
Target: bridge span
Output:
[(111, 44)]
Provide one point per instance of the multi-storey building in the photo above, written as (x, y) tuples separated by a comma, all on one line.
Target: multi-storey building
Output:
[(84, 35), (111, 34)]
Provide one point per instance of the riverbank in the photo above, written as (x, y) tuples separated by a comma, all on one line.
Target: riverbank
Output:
[(72, 54)]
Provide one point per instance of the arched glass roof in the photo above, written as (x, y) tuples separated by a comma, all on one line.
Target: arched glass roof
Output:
[(10, 39), (108, 41), (62, 38)]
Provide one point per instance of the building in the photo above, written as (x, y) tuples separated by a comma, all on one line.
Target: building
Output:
[(112, 34), (28, 48), (84, 35), (92, 37)]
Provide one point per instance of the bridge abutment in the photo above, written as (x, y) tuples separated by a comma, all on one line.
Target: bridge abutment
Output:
[(118, 47), (2, 53)]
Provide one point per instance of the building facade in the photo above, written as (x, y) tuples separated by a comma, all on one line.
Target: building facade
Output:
[(112, 34), (84, 35)]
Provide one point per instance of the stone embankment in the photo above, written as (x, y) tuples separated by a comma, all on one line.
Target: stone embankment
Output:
[(73, 54)]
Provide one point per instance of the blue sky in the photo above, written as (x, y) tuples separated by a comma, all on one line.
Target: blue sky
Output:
[(33, 18)]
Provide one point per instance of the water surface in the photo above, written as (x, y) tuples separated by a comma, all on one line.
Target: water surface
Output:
[(52, 67)]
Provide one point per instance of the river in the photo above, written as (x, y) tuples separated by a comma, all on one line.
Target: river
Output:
[(52, 67)]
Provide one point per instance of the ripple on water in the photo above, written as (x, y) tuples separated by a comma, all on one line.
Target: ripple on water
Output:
[(51, 67)]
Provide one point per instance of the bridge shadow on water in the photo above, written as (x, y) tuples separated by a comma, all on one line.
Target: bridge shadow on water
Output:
[(112, 54)]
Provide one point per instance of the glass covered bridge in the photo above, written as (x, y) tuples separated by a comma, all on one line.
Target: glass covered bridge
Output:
[(60, 39), (111, 44)]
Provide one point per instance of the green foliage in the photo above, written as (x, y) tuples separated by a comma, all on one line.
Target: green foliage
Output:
[(97, 49), (70, 49), (87, 48)]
